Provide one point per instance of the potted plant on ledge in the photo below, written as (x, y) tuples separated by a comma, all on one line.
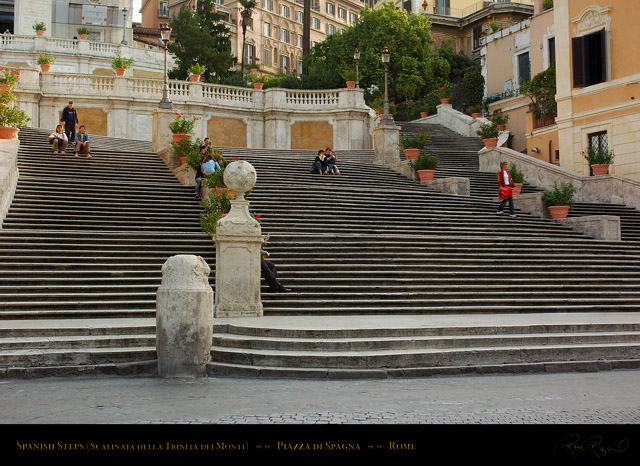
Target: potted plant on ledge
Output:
[(196, 71), (489, 134), (349, 75), (475, 111), (8, 79), (39, 28), (425, 166), (45, 61), (518, 179), (559, 199), (120, 64), (444, 93), (500, 119), (599, 160), (412, 145), (84, 32), (11, 118), (181, 127)]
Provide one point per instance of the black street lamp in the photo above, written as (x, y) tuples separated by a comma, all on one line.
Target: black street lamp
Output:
[(356, 57), (246, 16), (165, 35), (386, 57), (124, 25)]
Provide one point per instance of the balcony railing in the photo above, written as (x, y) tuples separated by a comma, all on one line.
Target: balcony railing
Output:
[(543, 122), (464, 12)]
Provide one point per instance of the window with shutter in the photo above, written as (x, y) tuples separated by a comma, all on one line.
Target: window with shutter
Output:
[(589, 59)]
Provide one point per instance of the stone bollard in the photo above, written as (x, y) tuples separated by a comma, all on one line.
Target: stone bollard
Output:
[(238, 250), (184, 317)]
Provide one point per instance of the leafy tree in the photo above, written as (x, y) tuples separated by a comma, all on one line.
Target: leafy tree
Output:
[(465, 75), (414, 70), (542, 92), (201, 37)]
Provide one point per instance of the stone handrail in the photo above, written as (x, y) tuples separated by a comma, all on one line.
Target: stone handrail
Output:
[(609, 189), (8, 174), (456, 121)]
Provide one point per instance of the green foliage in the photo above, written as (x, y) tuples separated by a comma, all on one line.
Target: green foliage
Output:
[(45, 59), (234, 78), (560, 195), (182, 125), (185, 148), (119, 62), (197, 68), (418, 141), (516, 175), (547, 4), (214, 206), (499, 118), (495, 27), (465, 76), (598, 156), (290, 82), (39, 27), (13, 117), (84, 30), (414, 70), (542, 92), (201, 37), (425, 161), (488, 130), (9, 77), (473, 109)]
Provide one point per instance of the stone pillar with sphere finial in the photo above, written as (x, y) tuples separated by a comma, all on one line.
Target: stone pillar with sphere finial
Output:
[(238, 241)]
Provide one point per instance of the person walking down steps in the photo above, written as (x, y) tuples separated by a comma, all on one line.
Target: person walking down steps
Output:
[(505, 192)]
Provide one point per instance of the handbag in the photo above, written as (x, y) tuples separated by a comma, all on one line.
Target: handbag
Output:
[(506, 191)]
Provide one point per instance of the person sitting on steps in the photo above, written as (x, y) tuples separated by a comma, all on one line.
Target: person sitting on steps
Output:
[(269, 272), (320, 163), (210, 165), (82, 142), (58, 140), (331, 158)]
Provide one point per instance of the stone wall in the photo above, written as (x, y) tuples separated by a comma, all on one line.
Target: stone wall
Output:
[(8, 174)]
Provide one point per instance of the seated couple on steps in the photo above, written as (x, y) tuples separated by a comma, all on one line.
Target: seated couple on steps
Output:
[(325, 163)]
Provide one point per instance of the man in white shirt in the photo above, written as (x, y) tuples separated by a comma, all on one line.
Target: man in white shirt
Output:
[(58, 140)]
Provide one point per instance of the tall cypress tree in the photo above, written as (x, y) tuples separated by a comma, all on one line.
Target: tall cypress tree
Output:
[(201, 37)]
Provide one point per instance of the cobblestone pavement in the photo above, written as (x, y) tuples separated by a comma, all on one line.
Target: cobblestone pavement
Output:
[(571, 398)]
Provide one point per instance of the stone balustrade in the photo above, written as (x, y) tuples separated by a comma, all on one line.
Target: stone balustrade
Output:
[(80, 56), (231, 116)]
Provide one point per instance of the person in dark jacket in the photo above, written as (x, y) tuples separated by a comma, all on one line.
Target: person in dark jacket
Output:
[(269, 272), (69, 119)]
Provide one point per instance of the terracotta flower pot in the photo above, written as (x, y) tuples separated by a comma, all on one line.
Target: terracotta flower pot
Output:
[(600, 169), (84, 36), (4, 88), (425, 175), (194, 78), (444, 101), (491, 142), (558, 211), (254, 70), (424, 114), (120, 71), (45, 68), (411, 154), (39, 33), (381, 115), (8, 132), (502, 127), (258, 85), (476, 115), (517, 188), (177, 137), (183, 160), (351, 84)]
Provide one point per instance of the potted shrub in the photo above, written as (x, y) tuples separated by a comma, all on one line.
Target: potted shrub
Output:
[(599, 160), (256, 80), (8, 79), (444, 94), (181, 127), (559, 199), (120, 64), (11, 118), (349, 75), (518, 179), (412, 145), (500, 120), (45, 60), (425, 166), (195, 71), (215, 206), (475, 111), (253, 64), (184, 149), (495, 27), (39, 28), (84, 32), (489, 134), (378, 105)]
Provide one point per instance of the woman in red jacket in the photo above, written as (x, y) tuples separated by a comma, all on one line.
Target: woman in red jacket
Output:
[(505, 189)]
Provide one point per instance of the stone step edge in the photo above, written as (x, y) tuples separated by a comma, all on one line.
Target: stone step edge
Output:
[(233, 370), (122, 369)]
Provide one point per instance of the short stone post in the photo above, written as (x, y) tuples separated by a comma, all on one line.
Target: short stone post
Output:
[(184, 317), (386, 141), (238, 250)]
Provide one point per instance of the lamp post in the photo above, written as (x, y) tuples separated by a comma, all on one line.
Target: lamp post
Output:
[(386, 57), (246, 16), (165, 35), (356, 57), (124, 25)]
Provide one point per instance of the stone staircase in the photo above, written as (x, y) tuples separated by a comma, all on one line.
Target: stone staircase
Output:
[(85, 239)]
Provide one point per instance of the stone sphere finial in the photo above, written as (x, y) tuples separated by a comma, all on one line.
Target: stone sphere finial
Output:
[(240, 176)]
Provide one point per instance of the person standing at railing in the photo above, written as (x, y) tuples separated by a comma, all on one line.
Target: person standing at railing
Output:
[(69, 119)]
